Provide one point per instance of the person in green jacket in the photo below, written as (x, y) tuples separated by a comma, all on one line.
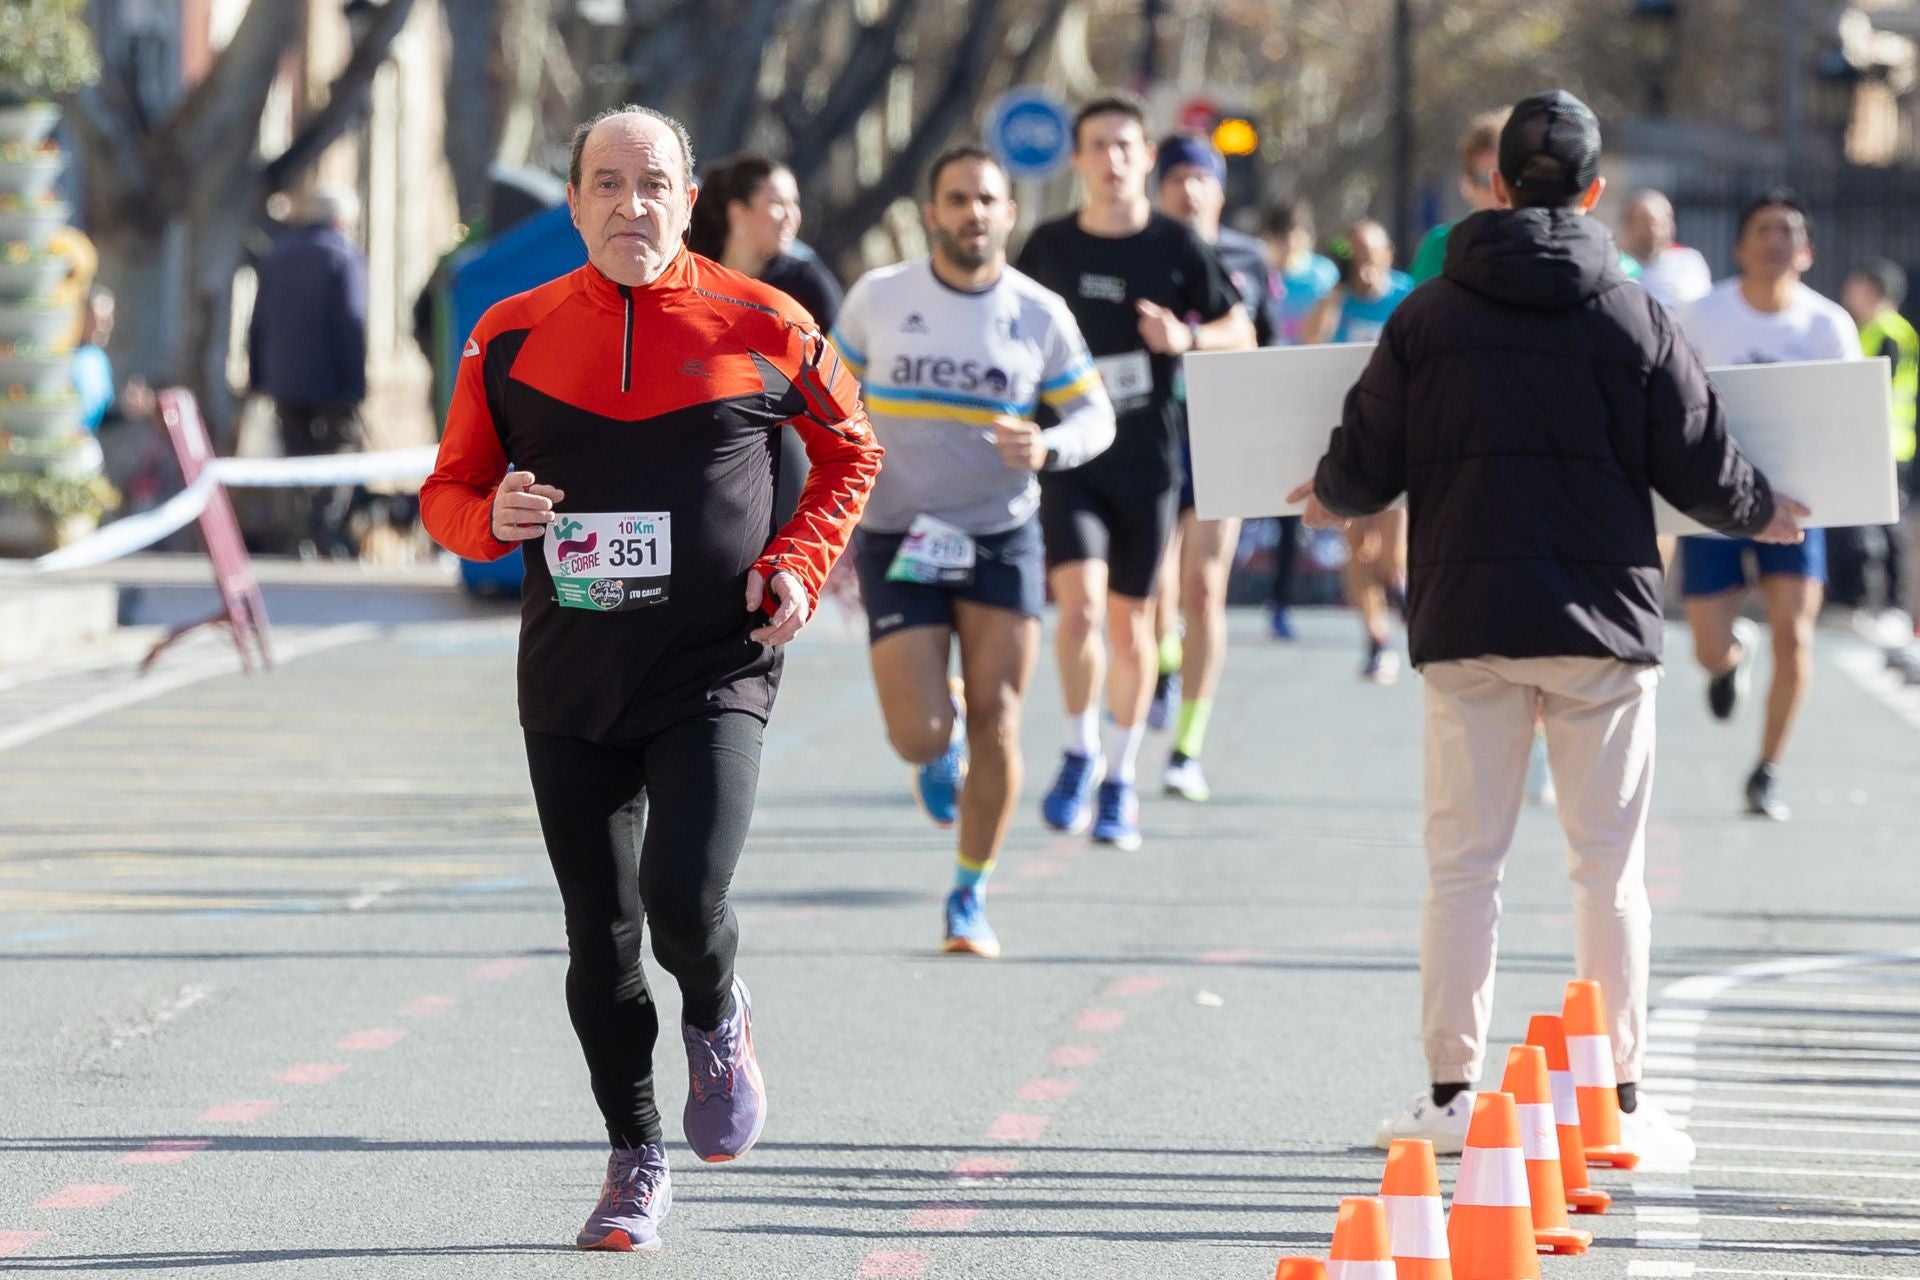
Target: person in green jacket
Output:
[(1479, 157), (1873, 294)]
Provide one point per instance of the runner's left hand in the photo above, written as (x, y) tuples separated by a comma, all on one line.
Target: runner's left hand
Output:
[(792, 611), (1316, 516)]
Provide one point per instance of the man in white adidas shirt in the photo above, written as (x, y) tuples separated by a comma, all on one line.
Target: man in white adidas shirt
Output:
[(957, 351), (1765, 315)]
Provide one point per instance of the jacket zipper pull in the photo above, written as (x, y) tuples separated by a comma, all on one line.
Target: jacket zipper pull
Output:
[(626, 342)]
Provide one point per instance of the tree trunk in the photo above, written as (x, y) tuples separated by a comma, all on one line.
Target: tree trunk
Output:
[(471, 97)]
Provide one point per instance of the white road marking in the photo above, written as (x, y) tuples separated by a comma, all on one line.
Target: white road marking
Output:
[(152, 686)]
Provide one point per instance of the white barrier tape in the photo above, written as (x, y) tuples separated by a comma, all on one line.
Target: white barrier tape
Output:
[(136, 533), (326, 469), (124, 537)]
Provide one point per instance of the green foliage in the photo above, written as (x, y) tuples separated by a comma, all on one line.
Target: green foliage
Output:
[(46, 50), (61, 497)]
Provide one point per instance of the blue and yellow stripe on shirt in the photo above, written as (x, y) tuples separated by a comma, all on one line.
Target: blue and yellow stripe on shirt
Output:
[(946, 406), (1071, 385), (856, 360)]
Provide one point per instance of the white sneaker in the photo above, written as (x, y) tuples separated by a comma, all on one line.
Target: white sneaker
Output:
[(1445, 1127), (1540, 791), (1185, 781), (1653, 1135)]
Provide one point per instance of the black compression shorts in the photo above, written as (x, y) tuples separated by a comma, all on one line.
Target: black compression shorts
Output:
[(1097, 514)]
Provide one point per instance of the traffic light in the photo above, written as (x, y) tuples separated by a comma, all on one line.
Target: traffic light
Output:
[(1236, 137)]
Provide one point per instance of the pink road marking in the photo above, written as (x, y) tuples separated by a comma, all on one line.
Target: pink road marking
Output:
[(312, 1073), (13, 1242), (942, 1217), (1044, 1090), (497, 970), (1232, 955), (82, 1195), (1099, 1019), (1141, 984), (1074, 1055), (427, 1006), (370, 1040), (894, 1264), (236, 1112), (984, 1168), (1040, 870), (166, 1151), (1013, 1127)]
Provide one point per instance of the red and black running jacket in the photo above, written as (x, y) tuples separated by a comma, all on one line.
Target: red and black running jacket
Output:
[(662, 398)]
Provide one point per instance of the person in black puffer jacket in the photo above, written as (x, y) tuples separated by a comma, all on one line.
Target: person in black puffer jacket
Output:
[(1530, 403)]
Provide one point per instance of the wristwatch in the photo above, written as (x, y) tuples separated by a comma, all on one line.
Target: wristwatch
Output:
[(1053, 459)]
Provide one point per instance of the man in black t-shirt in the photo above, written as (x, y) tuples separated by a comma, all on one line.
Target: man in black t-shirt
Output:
[(1145, 291)]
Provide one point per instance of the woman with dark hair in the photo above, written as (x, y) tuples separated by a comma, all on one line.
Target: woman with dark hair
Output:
[(747, 218)]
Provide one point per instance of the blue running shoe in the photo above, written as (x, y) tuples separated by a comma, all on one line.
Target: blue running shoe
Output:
[(633, 1200), (1119, 820), (1068, 806), (936, 784), (968, 932), (1281, 623), (1166, 700)]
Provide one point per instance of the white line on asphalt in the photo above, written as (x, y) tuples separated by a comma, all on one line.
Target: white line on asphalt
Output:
[(1866, 666), (1804, 1197), (158, 1016), (371, 894), (1822, 1000), (1853, 1130), (1905, 1157), (1816, 1071), (1774, 1171), (1776, 1275), (1795, 1109), (152, 686), (1784, 1037)]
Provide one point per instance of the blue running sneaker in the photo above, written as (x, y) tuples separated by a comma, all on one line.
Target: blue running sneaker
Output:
[(1281, 623), (968, 932), (1119, 820), (1166, 700), (936, 784), (1068, 805)]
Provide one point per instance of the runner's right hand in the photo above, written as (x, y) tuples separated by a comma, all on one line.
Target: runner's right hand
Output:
[(1785, 528), (522, 510)]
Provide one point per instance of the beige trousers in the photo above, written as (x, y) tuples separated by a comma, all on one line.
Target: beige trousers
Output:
[(1598, 715)]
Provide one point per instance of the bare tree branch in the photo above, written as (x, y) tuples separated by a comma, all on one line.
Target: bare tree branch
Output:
[(346, 99), (234, 89), (858, 85), (957, 99)]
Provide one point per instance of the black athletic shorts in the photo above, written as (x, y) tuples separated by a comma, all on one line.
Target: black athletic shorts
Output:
[(1009, 573), (1100, 514)]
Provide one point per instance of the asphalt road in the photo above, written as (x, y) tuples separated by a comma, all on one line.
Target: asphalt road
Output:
[(281, 968)]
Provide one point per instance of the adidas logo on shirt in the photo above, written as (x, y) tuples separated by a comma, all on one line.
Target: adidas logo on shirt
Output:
[(915, 323)]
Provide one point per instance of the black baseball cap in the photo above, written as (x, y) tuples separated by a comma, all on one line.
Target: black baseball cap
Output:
[(1550, 146)]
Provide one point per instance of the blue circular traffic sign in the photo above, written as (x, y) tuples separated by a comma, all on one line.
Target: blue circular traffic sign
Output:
[(1031, 132)]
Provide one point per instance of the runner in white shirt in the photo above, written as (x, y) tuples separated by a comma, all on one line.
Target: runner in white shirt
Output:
[(957, 351), (1765, 315), (1674, 274)]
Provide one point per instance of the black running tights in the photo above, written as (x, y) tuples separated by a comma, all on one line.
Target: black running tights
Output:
[(619, 858)]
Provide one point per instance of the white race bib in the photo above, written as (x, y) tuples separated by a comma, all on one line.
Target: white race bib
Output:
[(1128, 379), (933, 552), (610, 560)]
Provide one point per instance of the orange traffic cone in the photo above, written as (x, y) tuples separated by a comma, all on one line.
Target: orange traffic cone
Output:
[(1416, 1224), (1547, 1031), (1300, 1269), (1361, 1250), (1490, 1231), (1590, 1052), (1526, 1080)]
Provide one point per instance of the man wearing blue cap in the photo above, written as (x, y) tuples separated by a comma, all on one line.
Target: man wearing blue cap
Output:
[(1192, 178)]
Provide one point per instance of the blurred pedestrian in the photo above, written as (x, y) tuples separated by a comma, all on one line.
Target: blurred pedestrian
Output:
[(1674, 274), (1479, 162), (1528, 382), (1872, 295), (307, 351), (1375, 574), (747, 219), (1764, 315)]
